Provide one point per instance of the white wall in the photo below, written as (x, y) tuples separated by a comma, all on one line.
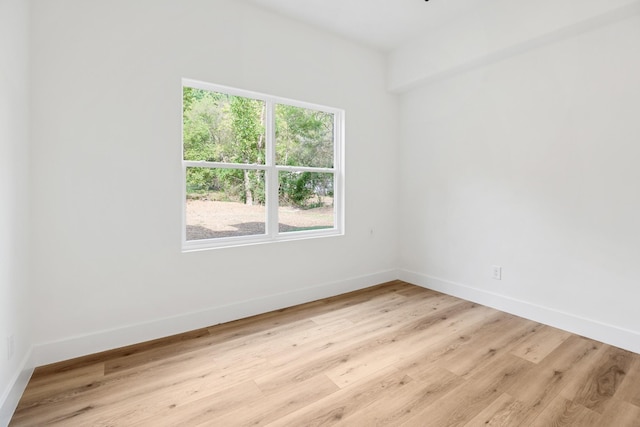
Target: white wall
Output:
[(15, 311), (493, 30), (106, 129), (531, 163)]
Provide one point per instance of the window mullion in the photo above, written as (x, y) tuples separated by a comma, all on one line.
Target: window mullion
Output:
[(219, 165), (272, 173), (305, 169)]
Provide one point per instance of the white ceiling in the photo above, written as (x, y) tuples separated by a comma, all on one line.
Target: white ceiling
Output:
[(382, 24)]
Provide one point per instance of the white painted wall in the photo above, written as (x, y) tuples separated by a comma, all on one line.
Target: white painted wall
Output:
[(15, 313), (493, 30), (106, 129), (532, 163)]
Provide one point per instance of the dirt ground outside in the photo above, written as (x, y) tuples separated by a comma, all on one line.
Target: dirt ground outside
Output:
[(208, 219)]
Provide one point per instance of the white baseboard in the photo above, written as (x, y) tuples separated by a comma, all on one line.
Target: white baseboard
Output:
[(69, 348), (77, 346), (609, 334), (11, 396)]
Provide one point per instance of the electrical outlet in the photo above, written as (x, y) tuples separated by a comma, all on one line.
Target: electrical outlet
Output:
[(10, 347), (496, 272)]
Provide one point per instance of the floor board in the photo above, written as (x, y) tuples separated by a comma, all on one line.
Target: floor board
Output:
[(393, 354)]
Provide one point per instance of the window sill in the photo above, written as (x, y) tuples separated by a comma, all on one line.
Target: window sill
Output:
[(230, 242)]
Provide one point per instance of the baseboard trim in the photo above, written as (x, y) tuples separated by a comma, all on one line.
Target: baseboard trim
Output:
[(72, 347), (599, 331), (11, 396)]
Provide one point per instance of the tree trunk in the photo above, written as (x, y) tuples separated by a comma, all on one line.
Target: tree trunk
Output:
[(248, 195)]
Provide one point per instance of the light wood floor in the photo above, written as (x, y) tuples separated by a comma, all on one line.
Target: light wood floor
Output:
[(393, 355)]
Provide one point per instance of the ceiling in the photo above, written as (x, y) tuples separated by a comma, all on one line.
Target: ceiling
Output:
[(381, 24)]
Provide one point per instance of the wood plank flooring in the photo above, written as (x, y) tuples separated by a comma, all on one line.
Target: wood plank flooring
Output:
[(391, 355)]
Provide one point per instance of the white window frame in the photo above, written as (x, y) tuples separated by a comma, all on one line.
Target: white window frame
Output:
[(271, 174)]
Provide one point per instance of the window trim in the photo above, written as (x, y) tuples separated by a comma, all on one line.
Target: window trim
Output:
[(272, 170)]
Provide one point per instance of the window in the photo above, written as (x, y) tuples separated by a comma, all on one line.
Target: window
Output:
[(258, 168)]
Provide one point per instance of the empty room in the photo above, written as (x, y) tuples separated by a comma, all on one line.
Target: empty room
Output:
[(338, 212)]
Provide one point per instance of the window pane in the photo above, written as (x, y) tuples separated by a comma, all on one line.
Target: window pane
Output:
[(306, 201), (304, 137), (224, 203), (222, 128)]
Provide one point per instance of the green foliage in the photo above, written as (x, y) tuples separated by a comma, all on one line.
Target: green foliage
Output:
[(295, 188), (204, 130), (247, 124), (303, 137), (200, 180), (231, 129), (305, 189)]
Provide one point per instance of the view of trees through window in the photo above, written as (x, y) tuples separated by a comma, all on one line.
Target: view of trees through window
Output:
[(230, 161)]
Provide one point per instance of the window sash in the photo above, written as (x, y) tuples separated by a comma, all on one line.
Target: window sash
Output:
[(218, 165)]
